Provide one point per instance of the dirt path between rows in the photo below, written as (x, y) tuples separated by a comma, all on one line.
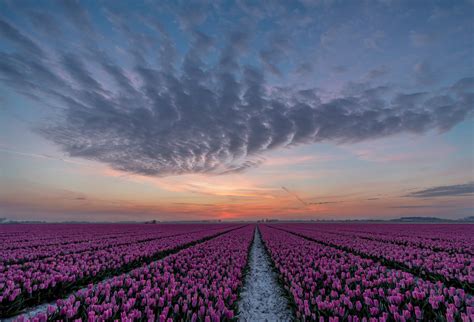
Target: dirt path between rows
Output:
[(262, 298)]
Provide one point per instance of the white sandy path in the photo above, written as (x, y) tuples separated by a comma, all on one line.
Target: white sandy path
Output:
[(262, 298)]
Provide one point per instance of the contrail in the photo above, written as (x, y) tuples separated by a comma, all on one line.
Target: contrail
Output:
[(295, 195), (323, 202), (307, 203)]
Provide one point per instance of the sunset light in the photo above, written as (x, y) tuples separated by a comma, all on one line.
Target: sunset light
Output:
[(236, 160)]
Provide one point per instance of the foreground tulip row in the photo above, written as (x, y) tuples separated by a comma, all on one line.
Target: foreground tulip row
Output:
[(455, 269), (330, 284), (32, 282), (201, 282)]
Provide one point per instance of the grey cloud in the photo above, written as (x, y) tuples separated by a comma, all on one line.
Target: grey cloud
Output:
[(32, 77), (444, 191), (167, 49), (464, 85), (274, 52), (242, 167), (202, 41), (24, 43), (376, 73), (192, 15), (76, 69), (77, 15), (235, 47), (269, 59), (198, 115), (191, 127), (139, 43), (304, 69), (45, 22), (425, 74), (254, 10)]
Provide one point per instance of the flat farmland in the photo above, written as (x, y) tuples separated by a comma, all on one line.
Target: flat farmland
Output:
[(237, 271)]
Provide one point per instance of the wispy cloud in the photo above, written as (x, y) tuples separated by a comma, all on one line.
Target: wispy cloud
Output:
[(324, 202), (465, 189), (420, 207)]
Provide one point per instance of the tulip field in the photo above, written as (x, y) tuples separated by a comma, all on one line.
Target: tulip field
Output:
[(339, 277), (196, 272), (34, 269)]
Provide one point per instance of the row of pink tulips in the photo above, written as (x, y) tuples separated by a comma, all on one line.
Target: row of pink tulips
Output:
[(460, 238), (198, 283), (41, 252), (326, 283), (29, 235), (25, 236), (29, 283), (452, 268)]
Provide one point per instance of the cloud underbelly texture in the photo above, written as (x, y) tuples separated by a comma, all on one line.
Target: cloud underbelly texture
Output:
[(202, 116), (190, 128)]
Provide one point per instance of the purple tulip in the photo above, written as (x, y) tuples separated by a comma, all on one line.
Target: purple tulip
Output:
[(189, 284), (358, 287)]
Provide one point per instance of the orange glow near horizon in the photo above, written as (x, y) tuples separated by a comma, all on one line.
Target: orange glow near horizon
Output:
[(222, 202), (316, 190)]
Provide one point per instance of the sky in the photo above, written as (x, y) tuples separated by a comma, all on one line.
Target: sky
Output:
[(236, 110)]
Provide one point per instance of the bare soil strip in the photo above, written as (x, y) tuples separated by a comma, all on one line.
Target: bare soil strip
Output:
[(262, 298)]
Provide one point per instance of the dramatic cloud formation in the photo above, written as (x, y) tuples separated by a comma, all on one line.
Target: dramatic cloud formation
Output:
[(196, 114), (445, 191)]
